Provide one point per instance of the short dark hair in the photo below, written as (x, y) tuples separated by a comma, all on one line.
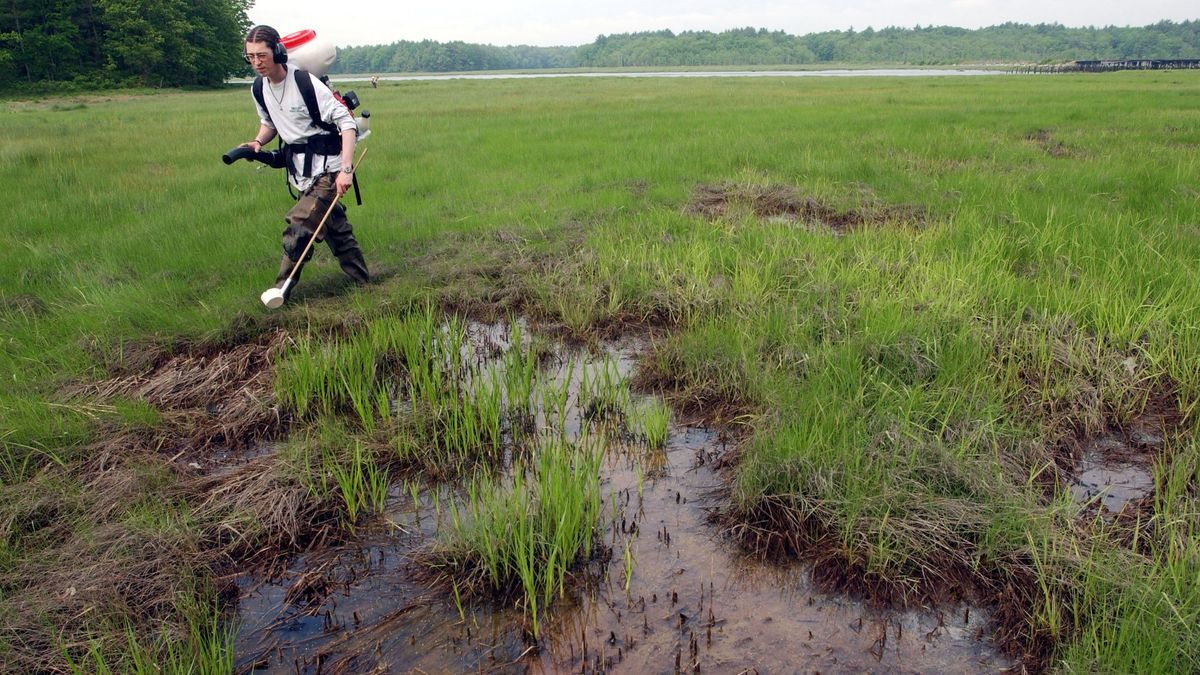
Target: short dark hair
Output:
[(263, 34)]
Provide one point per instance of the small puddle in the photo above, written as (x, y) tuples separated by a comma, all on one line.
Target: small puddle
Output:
[(669, 597), (1113, 473)]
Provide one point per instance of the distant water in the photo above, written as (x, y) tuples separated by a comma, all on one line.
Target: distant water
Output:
[(872, 72), (865, 72)]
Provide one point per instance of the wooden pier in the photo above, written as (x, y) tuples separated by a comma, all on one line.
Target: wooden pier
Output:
[(1110, 65)]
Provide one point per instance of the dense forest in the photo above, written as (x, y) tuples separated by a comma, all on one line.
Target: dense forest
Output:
[(90, 43), (1006, 43), (429, 56)]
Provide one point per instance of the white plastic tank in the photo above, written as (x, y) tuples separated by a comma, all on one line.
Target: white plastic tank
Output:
[(364, 124), (308, 51)]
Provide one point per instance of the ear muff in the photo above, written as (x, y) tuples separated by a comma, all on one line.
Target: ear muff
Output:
[(280, 53)]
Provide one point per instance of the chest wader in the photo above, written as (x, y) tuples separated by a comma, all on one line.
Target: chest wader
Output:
[(312, 203)]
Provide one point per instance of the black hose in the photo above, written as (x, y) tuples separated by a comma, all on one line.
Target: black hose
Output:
[(240, 152), (273, 159)]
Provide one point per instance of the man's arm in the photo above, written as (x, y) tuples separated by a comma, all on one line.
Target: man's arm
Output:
[(346, 180), (263, 136)]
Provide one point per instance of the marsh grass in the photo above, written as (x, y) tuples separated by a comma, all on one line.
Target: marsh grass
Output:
[(205, 648), (902, 388), (650, 421), (520, 535), (522, 525), (322, 375), (554, 397), (362, 483), (604, 394), (455, 408), (520, 367)]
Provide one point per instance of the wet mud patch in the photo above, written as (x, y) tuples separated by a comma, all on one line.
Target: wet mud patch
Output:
[(1115, 471), (778, 202), (1080, 388), (662, 591), (1111, 475), (1109, 416)]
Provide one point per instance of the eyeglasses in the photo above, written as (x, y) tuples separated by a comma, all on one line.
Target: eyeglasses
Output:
[(258, 56)]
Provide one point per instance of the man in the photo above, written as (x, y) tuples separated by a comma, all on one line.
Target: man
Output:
[(319, 161)]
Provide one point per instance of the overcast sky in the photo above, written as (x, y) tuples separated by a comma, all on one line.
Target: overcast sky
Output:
[(575, 22)]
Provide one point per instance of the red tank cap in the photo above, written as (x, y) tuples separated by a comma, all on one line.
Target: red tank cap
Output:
[(293, 40)]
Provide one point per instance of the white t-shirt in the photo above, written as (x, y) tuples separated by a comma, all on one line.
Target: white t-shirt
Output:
[(290, 119)]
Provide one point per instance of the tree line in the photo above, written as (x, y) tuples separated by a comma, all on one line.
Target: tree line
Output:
[(929, 45), (430, 56), (90, 43)]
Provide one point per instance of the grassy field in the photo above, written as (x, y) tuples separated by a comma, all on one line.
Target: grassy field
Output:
[(918, 299)]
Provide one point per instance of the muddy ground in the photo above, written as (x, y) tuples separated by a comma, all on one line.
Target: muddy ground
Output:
[(692, 601), (667, 591)]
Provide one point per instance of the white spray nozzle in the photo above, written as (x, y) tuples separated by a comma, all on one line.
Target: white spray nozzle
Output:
[(273, 297)]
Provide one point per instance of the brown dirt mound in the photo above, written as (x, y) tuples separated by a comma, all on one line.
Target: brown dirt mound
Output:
[(782, 201), (1048, 143), (23, 304)]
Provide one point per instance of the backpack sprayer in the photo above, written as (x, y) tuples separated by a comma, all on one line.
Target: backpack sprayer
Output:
[(314, 55)]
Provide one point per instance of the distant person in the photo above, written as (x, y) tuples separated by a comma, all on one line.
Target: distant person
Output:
[(374, 81), (319, 160)]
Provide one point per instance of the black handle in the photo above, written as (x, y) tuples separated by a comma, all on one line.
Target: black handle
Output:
[(273, 159), (240, 152)]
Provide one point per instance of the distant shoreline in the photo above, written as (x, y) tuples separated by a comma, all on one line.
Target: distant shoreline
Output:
[(840, 72), (716, 71)]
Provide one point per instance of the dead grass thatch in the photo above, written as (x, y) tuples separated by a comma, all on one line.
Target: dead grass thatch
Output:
[(69, 598), (206, 399), (122, 538), (257, 511)]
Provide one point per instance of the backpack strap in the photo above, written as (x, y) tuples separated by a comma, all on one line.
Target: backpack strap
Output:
[(309, 94), (257, 89), (328, 143)]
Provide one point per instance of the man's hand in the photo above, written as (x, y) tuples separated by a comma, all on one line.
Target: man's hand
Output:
[(343, 182)]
